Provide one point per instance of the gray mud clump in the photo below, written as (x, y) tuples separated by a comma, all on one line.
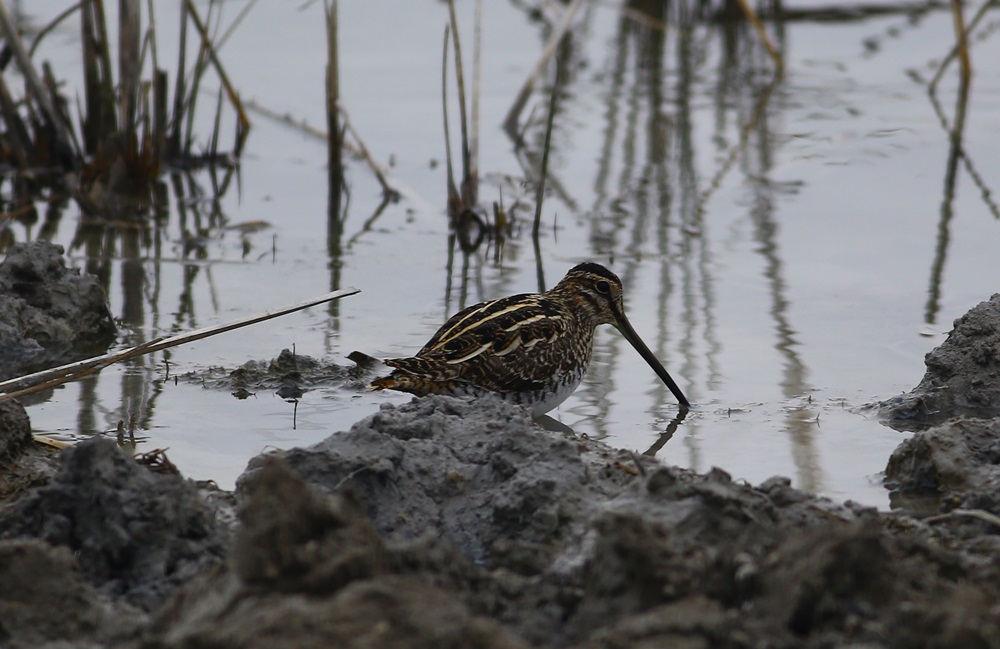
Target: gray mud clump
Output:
[(954, 458), (962, 378), (48, 313), (309, 570), (136, 534), (289, 375)]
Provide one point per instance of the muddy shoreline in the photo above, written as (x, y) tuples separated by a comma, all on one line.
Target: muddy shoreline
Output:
[(443, 522)]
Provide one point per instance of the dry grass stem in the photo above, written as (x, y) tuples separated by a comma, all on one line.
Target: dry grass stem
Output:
[(477, 42), (772, 51), (376, 168), (963, 41), (454, 198), (234, 97), (545, 155), (963, 34), (469, 190), (510, 122), (35, 88), (334, 133), (31, 383)]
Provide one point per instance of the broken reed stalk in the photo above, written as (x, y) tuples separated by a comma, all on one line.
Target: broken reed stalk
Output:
[(468, 188), (128, 71), (99, 91), (454, 198), (174, 146), (387, 189), (510, 122), (35, 88), (31, 383), (234, 98), (963, 40), (334, 132), (477, 41), (545, 153), (758, 26)]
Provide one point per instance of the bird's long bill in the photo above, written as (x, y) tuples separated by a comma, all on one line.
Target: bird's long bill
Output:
[(625, 327)]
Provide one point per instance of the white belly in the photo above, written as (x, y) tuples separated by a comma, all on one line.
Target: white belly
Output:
[(541, 404)]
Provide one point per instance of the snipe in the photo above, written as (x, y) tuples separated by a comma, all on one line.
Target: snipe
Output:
[(532, 349)]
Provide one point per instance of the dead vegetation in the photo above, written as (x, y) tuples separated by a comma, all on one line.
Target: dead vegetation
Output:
[(127, 129)]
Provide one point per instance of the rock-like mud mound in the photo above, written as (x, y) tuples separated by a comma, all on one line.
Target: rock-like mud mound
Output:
[(962, 378), (136, 534), (309, 570), (954, 465), (45, 601), (953, 461), (566, 542), (48, 313), (445, 523)]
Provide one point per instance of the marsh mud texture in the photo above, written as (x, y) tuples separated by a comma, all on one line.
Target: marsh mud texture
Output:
[(49, 313), (954, 457), (449, 523)]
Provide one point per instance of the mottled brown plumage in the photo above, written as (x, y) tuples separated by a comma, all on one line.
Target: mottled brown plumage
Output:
[(533, 349)]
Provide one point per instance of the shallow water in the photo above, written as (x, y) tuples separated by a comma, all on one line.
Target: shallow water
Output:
[(790, 249)]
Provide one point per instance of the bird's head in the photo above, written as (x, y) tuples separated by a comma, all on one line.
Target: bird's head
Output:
[(597, 293)]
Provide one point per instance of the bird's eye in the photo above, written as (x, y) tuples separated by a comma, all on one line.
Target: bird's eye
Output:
[(603, 287)]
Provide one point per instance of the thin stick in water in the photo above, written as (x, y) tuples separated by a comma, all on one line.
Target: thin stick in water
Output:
[(545, 153), (45, 379), (468, 189), (510, 122), (454, 198)]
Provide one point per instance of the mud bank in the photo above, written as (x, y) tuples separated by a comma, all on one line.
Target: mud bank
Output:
[(444, 522), (953, 460), (449, 523), (48, 313)]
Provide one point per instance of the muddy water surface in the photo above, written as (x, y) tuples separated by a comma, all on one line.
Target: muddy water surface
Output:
[(790, 248)]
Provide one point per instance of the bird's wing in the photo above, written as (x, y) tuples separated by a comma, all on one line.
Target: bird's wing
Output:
[(507, 345)]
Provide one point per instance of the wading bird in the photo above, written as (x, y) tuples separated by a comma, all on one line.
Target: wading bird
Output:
[(532, 349)]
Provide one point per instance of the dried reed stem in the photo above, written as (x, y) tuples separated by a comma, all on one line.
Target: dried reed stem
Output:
[(234, 97), (477, 42), (772, 51), (545, 155), (334, 134), (963, 38), (510, 122), (128, 68), (469, 190), (454, 198), (28, 384), (99, 90), (43, 32), (376, 169), (174, 147), (35, 87), (17, 132)]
